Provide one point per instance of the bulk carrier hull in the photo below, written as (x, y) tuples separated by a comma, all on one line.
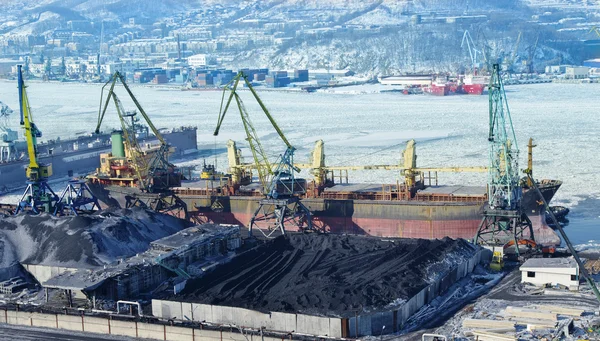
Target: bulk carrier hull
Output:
[(435, 213)]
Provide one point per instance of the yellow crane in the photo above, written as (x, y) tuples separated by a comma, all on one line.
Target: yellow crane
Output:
[(38, 196), (151, 172), (408, 167), (147, 172)]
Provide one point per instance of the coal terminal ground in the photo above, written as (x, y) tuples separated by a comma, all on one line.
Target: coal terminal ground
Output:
[(335, 275)]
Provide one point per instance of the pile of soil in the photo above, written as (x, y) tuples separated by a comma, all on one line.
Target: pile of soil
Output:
[(327, 274), (82, 241)]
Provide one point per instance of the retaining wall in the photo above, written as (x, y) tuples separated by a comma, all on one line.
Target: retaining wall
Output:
[(132, 329), (360, 325)]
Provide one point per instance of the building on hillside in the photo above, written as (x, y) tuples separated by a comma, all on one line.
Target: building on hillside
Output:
[(197, 60)]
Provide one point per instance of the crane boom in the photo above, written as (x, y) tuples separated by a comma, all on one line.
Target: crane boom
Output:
[(121, 78), (269, 173), (31, 131), (150, 172)]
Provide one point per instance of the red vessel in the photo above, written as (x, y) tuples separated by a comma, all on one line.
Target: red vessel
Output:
[(474, 85), (437, 89)]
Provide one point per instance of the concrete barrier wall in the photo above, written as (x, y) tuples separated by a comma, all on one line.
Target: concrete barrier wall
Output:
[(43, 273), (128, 328), (275, 321), (372, 324)]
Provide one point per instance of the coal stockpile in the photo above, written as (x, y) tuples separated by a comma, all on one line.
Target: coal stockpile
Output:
[(82, 241), (328, 274)]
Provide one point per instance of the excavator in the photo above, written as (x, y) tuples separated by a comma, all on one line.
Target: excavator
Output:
[(38, 196), (280, 187)]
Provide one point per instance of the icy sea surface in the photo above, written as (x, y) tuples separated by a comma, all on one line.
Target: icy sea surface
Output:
[(361, 126)]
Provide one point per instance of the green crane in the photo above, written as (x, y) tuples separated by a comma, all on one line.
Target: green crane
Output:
[(280, 186), (503, 219), (153, 174)]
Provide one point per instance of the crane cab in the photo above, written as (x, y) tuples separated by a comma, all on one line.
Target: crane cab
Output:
[(39, 173)]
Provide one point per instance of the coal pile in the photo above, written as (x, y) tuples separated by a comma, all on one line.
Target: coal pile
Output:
[(82, 241), (328, 274)]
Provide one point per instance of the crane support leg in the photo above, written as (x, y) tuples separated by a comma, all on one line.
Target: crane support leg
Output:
[(38, 197), (166, 203), (274, 215), (76, 198), (498, 227)]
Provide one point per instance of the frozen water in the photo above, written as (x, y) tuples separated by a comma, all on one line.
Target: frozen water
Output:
[(364, 126)]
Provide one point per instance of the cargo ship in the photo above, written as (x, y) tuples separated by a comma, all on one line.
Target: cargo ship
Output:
[(370, 209), (81, 155), (413, 209), (474, 85), (438, 85)]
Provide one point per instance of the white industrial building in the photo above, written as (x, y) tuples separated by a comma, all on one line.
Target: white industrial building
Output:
[(553, 271), (421, 80), (577, 72), (197, 60)]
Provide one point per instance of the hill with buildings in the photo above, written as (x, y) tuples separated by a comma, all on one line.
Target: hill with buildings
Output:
[(368, 37)]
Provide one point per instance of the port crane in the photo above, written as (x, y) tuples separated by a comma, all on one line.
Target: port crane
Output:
[(8, 136), (280, 186), (510, 62), (147, 173), (468, 41), (38, 196), (503, 216), (531, 55)]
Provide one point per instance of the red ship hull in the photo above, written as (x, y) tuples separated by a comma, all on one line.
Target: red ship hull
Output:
[(437, 90), (473, 89)]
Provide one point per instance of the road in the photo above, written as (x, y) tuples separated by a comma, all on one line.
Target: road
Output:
[(13, 333)]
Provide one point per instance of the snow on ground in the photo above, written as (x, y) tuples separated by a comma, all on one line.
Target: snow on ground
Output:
[(366, 126)]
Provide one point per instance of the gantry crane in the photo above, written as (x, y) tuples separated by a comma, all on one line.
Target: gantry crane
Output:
[(503, 216), (280, 186), (38, 196), (147, 173)]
